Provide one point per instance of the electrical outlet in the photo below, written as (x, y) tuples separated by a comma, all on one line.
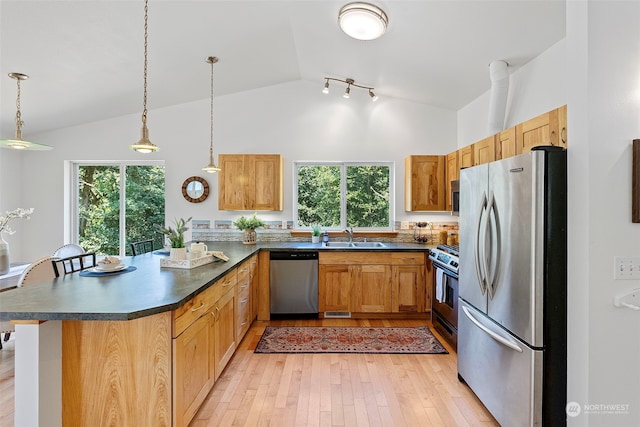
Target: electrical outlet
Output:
[(626, 268)]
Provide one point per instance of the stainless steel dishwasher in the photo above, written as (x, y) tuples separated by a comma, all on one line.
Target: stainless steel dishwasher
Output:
[(294, 283)]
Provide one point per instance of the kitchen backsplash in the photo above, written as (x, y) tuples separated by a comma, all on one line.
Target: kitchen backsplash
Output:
[(280, 231)]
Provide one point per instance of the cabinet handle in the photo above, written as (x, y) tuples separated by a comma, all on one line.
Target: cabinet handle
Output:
[(243, 323), (244, 286), (226, 284), (243, 270), (563, 135), (244, 300), (198, 308)]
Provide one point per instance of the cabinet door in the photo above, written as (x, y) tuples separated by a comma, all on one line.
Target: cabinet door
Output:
[(465, 156), (453, 174), (224, 331), (264, 182), (408, 289), (484, 151), (231, 182), (193, 373), (372, 290), (424, 183), (506, 144), (334, 288), (541, 130)]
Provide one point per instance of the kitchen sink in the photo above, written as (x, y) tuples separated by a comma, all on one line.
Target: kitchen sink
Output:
[(369, 245), (354, 245), (337, 245)]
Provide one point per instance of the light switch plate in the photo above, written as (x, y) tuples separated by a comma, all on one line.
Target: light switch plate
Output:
[(626, 268)]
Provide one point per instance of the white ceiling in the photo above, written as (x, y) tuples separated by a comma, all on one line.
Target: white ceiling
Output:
[(85, 58)]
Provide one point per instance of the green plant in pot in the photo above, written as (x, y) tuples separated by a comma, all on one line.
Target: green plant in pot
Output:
[(248, 226), (176, 237), (316, 231)]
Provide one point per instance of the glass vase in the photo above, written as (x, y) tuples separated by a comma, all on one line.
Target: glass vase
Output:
[(4, 257)]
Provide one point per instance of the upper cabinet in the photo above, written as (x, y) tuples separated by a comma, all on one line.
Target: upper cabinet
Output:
[(484, 151), (250, 182), (453, 174), (545, 129), (465, 156), (424, 188), (506, 143)]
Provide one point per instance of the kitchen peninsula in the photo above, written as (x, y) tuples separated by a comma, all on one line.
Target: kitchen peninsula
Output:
[(137, 348)]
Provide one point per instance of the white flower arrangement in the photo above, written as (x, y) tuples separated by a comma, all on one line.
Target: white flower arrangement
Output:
[(16, 213)]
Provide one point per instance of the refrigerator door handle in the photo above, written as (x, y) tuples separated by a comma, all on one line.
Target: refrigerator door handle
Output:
[(478, 264), (492, 277), (502, 340)]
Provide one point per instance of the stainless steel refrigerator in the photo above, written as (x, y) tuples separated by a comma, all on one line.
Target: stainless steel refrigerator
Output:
[(512, 327)]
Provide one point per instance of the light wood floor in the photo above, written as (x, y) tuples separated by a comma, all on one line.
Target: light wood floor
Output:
[(349, 390)]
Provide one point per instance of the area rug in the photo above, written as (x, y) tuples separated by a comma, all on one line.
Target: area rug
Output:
[(290, 339)]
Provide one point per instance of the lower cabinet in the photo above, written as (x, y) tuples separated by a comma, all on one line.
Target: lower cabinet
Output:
[(204, 347), (372, 282), (245, 299)]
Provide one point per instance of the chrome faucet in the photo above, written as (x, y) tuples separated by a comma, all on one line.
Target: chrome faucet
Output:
[(349, 231)]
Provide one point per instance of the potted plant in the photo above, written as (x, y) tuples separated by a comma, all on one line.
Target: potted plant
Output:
[(176, 238), (316, 231), (248, 226)]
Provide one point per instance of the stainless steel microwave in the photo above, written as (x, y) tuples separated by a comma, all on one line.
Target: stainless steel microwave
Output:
[(455, 197)]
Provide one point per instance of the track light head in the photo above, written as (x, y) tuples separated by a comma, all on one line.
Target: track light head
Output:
[(373, 96), (346, 92), (326, 87)]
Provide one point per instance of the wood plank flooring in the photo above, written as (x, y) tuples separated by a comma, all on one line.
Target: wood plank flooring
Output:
[(349, 390)]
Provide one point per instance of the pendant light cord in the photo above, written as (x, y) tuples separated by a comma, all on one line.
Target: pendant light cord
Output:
[(19, 121), (146, 36), (211, 146)]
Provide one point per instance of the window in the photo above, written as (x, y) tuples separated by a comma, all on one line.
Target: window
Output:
[(339, 195), (116, 204)]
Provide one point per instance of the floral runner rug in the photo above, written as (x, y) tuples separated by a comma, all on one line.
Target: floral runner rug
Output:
[(325, 339)]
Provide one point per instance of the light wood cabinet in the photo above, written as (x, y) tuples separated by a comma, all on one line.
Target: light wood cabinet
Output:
[(195, 376), (506, 143), (484, 151), (244, 298), (544, 129), (453, 174), (250, 182), (408, 291), (334, 287), (425, 185), (371, 288), (372, 282), (203, 347), (465, 156)]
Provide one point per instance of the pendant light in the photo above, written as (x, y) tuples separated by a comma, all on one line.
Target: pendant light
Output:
[(211, 167), (144, 145), (18, 143)]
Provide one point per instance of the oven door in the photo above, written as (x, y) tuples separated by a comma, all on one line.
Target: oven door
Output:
[(445, 298)]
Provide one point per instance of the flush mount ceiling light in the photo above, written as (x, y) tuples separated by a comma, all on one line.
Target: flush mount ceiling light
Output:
[(18, 143), (349, 83), (144, 145), (211, 167), (362, 21)]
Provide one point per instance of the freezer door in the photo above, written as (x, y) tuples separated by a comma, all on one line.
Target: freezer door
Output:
[(515, 245), (473, 215), (503, 372)]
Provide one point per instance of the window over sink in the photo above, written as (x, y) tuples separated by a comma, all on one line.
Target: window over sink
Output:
[(337, 195), (115, 204)]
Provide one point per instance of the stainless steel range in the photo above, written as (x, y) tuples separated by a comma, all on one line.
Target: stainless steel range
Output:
[(444, 308)]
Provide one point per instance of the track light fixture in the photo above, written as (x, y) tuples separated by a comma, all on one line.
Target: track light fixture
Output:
[(349, 83)]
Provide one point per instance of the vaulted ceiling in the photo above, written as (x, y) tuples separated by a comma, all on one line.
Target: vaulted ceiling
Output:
[(85, 58)]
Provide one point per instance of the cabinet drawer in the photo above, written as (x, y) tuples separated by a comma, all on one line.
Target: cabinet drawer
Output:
[(184, 316), (407, 258), (244, 316), (224, 285)]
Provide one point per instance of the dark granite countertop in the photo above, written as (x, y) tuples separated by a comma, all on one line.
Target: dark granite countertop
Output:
[(148, 290)]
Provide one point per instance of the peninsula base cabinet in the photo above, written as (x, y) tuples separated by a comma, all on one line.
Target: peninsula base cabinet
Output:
[(170, 361), (366, 284)]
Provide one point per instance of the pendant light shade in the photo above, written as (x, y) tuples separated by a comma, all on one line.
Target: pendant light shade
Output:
[(144, 145), (18, 143), (211, 167), (362, 21)]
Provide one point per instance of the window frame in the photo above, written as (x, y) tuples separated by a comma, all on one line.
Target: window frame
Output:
[(343, 193), (72, 221)]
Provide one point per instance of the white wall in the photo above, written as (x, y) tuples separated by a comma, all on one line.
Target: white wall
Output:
[(596, 72), (11, 188), (295, 119)]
